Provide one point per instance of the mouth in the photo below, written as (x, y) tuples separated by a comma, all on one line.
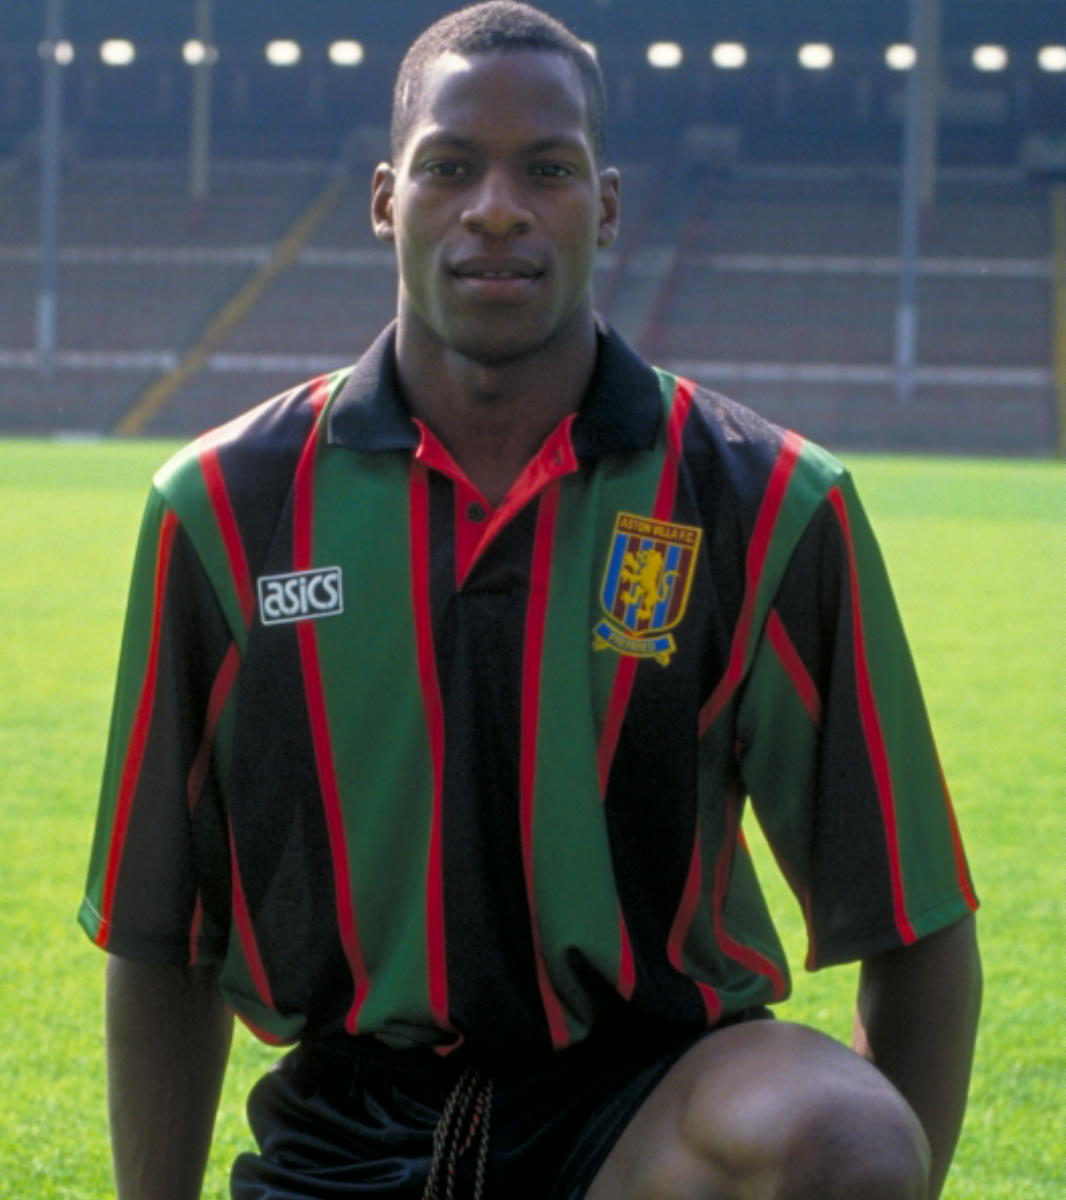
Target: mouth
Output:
[(496, 274), (493, 275)]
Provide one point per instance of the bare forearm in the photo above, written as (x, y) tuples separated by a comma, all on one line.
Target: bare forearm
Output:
[(168, 1037), (917, 1021)]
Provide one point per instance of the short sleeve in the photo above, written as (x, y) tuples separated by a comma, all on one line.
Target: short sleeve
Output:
[(157, 885), (837, 752)]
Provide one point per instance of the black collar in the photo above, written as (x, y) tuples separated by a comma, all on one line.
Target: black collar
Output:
[(621, 412)]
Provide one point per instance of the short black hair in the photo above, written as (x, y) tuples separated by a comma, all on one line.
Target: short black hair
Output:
[(498, 25)]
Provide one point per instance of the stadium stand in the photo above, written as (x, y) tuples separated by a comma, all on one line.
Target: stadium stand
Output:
[(758, 251), (786, 290), (778, 286)]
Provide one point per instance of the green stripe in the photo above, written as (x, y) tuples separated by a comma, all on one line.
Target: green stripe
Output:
[(181, 482), (747, 920), (136, 642), (746, 916), (781, 797), (248, 1007), (378, 729), (923, 828), (814, 474), (571, 853)]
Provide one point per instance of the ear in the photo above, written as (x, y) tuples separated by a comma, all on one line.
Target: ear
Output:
[(610, 206), (381, 190)]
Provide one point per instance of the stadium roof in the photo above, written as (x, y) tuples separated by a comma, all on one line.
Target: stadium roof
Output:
[(239, 23)]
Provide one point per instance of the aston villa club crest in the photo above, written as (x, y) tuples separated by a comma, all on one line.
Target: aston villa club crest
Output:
[(646, 584)]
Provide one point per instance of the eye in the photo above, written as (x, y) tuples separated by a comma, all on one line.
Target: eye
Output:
[(552, 170), (446, 168)]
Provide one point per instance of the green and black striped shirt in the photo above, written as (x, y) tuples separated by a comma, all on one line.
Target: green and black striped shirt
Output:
[(412, 767)]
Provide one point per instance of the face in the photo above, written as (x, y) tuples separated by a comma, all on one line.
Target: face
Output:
[(497, 208)]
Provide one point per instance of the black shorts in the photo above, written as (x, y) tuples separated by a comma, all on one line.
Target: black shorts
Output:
[(332, 1124)]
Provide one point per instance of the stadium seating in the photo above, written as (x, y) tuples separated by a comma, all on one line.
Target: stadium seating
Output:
[(777, 285), (785, 289)]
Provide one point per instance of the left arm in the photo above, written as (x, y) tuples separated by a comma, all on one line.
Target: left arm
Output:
[(916, 1020)]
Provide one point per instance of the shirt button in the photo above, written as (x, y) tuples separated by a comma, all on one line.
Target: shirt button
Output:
[(475, 511)]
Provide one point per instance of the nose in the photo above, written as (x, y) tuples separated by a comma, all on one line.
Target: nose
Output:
[(496, 207)]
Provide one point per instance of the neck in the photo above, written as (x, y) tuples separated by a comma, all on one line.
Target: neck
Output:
[(493, 418)]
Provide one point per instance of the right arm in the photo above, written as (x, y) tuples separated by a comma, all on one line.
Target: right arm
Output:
[(168, 1039)]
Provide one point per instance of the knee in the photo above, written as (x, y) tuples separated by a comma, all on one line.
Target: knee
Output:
[(821, 1139), (849, 1143)]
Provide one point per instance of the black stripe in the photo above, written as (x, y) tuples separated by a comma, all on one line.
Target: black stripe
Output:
[(478, 634), (849, 870), (157, 879)]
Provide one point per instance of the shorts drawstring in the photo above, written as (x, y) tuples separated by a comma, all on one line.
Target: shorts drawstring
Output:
[(463, 1124)]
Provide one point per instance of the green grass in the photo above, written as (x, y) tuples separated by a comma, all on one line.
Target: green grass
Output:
[(976, 554)]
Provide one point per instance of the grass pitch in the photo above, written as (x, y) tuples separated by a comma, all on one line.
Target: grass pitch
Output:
[(975, 553)]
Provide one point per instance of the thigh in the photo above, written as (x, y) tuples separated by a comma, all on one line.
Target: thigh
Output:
[(327, 1127), (742, 1107)]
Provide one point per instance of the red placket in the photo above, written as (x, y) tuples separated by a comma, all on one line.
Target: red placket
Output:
[(476, 521)]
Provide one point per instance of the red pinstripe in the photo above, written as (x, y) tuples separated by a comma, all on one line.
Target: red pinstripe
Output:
[(138, 739), (626, 981), (795, 667), (801, 893), (807, 690), (961, 870), (242, 918), (220, 690), (303, 518), (434, 708), (194, 930), (761, 537), (758, 548), (316, 710), (536, 615), (745, 955), (226, 520), (216, 702), (227, 525), (662, 510), (686, 914), (262, 1034), (227, 673), (625, 675), (871, 725)]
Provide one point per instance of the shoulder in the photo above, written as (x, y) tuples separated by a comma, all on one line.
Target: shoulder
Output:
[(225, 495), (254, 455), (734, 455)]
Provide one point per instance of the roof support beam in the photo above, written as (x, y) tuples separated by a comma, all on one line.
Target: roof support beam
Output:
[(918, 192), (50, 152)]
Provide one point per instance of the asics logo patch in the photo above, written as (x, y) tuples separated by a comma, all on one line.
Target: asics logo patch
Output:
[(300, 595)]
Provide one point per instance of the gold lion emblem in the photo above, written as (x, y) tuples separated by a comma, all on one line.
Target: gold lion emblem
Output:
[(646, 582), (649, 583)]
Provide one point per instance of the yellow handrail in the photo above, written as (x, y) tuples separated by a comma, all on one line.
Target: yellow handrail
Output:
[(234, 310)]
